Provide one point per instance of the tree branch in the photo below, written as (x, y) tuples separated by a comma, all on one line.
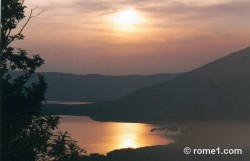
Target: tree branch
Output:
[(25, 24)]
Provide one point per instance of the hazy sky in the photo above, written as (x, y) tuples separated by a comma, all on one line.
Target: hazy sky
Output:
[(94, 36)]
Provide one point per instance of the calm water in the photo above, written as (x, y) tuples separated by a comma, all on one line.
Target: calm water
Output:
[(102, 137), (66, 102)]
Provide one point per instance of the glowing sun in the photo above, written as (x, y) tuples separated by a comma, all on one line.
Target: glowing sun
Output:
[(127, 19)]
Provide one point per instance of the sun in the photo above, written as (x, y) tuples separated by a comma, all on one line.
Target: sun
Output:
[(127, 19)]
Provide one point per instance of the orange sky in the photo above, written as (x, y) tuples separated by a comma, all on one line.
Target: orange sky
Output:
[(81, 36)]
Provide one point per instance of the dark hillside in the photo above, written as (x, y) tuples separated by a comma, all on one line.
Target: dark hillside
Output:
[(220, 89)]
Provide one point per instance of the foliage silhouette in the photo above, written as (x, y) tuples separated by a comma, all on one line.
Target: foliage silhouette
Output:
[(26, 135), (40, 142)]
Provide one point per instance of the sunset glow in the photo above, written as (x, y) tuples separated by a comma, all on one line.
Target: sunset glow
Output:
[(127, 19), (135, 37), (125, 80)]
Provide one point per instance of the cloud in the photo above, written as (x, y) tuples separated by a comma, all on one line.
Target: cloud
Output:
[(107, 5), (232, 8), (167, 13), (175, 10), (77, 32)]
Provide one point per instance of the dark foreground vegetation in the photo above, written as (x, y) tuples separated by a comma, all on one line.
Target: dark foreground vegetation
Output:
[(26, 135), (217, 91)]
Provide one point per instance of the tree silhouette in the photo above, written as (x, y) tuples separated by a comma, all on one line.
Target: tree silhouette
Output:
[(40, 142), (26, 135)]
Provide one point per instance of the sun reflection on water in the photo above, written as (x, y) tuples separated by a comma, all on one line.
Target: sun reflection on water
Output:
[(102, 137), (128, 142), (130, 135)]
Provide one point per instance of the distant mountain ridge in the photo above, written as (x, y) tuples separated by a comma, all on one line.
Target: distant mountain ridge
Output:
[(96, 88), (220, 89)]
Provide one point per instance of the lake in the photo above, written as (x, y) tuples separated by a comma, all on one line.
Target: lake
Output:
[(102, 137), (66, 102)]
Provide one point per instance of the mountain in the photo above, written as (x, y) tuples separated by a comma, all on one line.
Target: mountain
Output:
[(220, 89), (95, 88)]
